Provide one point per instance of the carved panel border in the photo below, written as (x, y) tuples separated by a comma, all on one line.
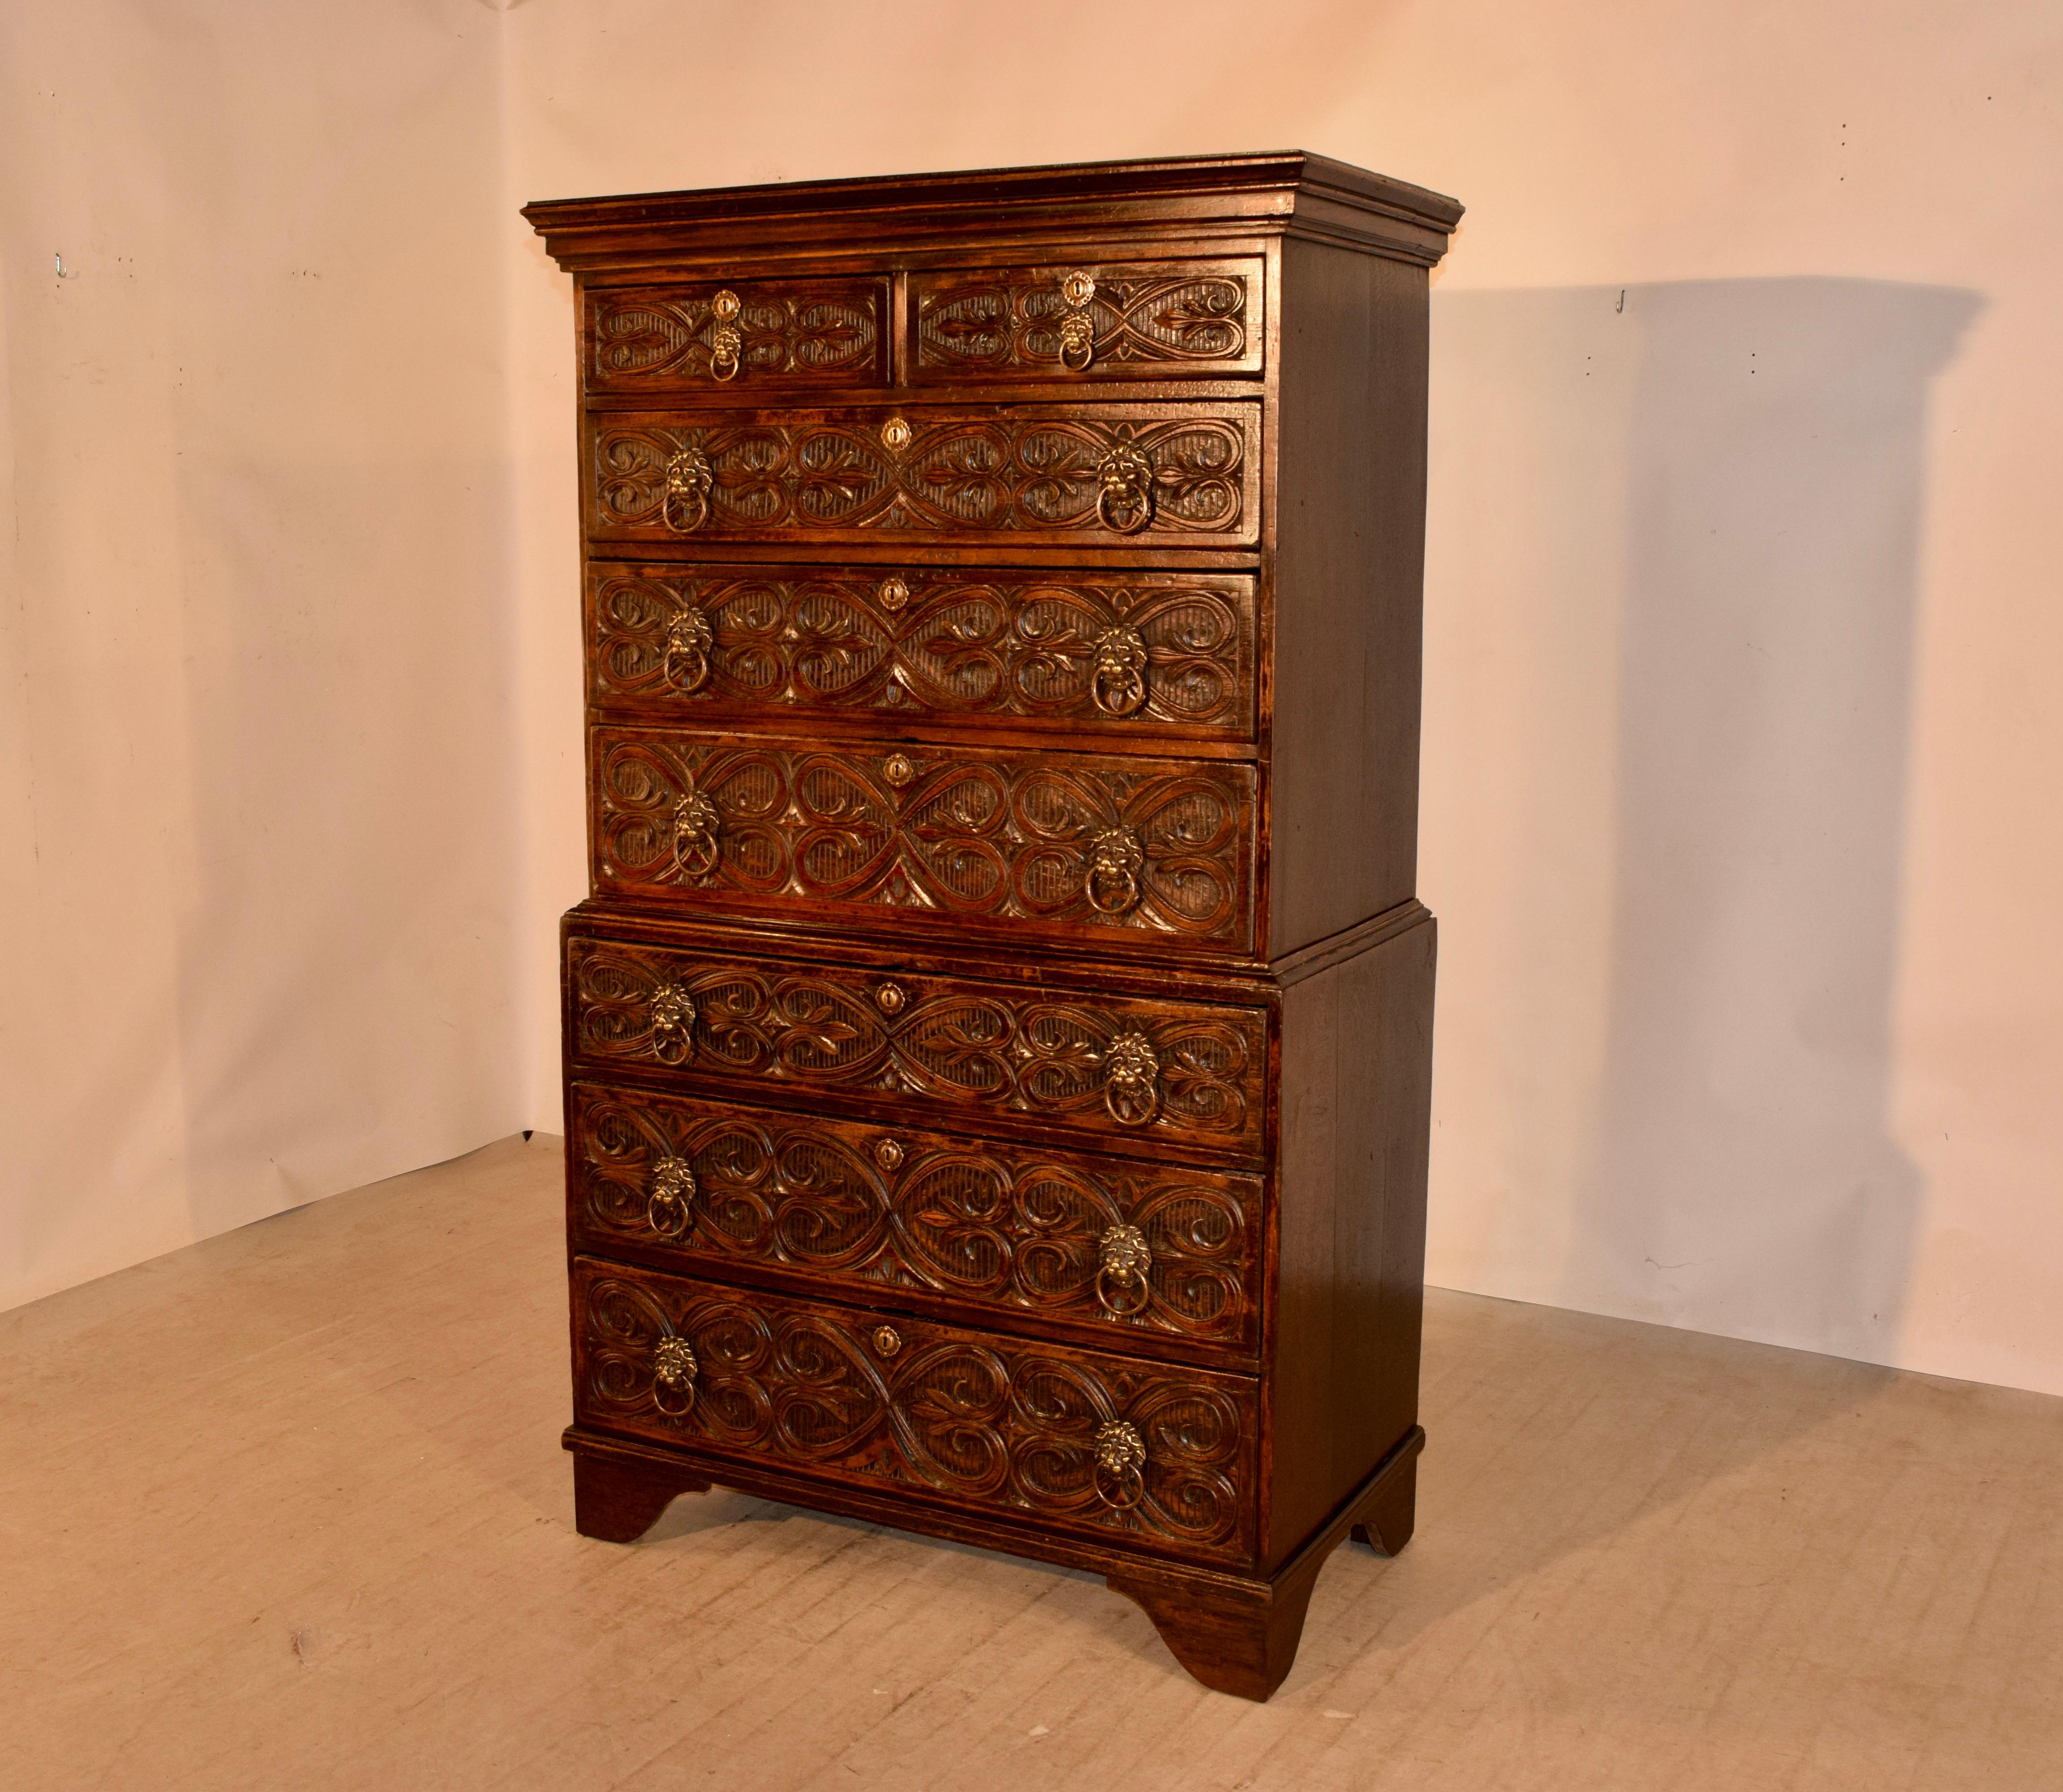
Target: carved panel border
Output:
[(874, 1208), (1060, 843), (974, 1418), (643, 339), (1182, 473), (1157, 318), (1127, 649), (1186, 1071)]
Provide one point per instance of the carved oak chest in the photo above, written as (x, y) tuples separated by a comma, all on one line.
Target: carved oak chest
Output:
[(998, 1040)]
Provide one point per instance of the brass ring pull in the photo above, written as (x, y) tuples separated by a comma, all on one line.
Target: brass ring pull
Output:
[(1115, 861), (1124, 490), (726, 341), (685, 504), (688, 640), (673, 1370), (1131, 1079), (1121, 1465), (1077, 341), (1121, 1284), (1118, 686), (673, 1017), (695, 850), (668, 1206)]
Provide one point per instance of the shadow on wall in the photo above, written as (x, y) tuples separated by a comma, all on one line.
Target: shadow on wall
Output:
[(1683, 537)]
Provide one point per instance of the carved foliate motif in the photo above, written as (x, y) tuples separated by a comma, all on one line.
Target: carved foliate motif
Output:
[(1152, 845), (1065, 1437), (1173, 649), (1032, 321), (1055, 1234), (805, 331), (808, 473), (1193, 1071)]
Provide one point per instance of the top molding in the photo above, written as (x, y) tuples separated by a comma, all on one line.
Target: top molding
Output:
[(1286, 190)]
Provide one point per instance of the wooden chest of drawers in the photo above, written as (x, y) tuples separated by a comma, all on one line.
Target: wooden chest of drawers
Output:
[(998, 1043)]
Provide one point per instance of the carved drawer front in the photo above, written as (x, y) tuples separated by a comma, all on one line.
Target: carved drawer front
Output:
[(1127, 850), (1156, 476), (1108, 1447), (1167, 320), (942, 1049), (708, 336), (1119, 652), (1093, 1244)]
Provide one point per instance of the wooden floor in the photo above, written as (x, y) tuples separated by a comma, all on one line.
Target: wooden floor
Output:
[(288, 1510)]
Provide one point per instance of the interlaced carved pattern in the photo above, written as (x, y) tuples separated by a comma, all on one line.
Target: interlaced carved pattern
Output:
[(972, 1416), (1018, 318), (646, 336), (1178, 651), (809, 472), (959, 1048), (1152, 845), (1028, 1230)]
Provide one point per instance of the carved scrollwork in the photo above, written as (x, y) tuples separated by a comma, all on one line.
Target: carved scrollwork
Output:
[(1136, 843), (1027, 321), (826, 331), (1177, 649), (1067, 1437), (960, 1046), (1058, 1234), (806, 473)]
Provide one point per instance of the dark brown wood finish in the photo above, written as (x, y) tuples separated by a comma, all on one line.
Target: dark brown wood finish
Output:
[(998, 1044)]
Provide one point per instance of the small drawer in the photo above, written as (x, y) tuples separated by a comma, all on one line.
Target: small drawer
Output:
[(1131, 1254), (949, 1050), (1116, 652), (1152, 475), (1119, 851), (736, 335), (1086, 320), (1099, 1446)]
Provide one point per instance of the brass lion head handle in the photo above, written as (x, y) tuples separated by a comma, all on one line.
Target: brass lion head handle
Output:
[(1121, 1465), (689, 640), (1119, 684), (726, 341), (694, 826), (1131, 1079), (670, 1204), (1120, 1283), (684, 504), (671, 1010), (674, 1371), (1124, 490), (1116, 859)]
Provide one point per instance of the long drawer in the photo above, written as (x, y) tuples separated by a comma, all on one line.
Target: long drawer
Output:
[(1116, 652), (949, 1051), (1101, 1247), (1172, 474), (1124, 850), (1083, 1442)]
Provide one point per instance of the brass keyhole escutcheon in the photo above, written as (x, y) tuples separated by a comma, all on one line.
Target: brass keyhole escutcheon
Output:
[(891, 998), (893, 593), (896, 434), (899, 768), (888, 1155), (886, 1340)]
